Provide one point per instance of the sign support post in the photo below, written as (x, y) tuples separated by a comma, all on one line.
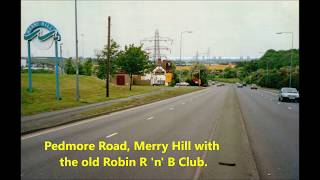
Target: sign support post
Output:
[(29, 68), (57, 72)]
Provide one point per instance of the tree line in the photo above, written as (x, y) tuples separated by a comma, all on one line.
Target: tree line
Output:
[(271, 70), (132, 60)]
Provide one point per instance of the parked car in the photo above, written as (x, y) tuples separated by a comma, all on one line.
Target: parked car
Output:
[(288, 94), (254, 86), (244, 84)]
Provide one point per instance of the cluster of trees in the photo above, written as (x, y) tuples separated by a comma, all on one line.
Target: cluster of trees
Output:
[(85, 68), (191, 75), (271, 70), (133, 60)]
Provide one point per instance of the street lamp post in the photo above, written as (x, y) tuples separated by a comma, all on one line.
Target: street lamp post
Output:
[(82, 35), (181, 46), (291, 53), (77, 59)]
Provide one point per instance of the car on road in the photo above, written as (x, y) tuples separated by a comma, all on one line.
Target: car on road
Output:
[(254, 86), (239, 85), (288, 94), (220, 84), (244, 84), (182, 84)]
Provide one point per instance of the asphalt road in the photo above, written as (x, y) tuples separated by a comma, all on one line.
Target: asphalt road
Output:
[(273, 129), (221, 114)]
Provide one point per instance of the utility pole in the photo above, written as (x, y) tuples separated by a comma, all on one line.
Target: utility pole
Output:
[(108, 60), (291, 57), (77, 58)]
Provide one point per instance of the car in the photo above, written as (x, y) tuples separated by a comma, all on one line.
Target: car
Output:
[(288, 94), (239, 85), (220, 84), (244, 84), (182, 84), (254, 86)]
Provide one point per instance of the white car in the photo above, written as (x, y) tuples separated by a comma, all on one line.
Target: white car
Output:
[(288, 94), (182, 84)]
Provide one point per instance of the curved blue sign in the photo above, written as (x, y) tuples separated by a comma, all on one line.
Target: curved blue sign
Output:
[(34, 30)]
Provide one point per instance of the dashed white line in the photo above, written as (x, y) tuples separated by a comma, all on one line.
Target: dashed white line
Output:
[(183, 103), (289, 108), (149, 118), (171, 108), (111, 135)]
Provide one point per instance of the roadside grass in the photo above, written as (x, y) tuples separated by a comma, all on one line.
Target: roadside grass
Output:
[(92, 90), (139, 101)]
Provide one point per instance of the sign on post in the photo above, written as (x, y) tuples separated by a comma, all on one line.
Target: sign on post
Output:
[(43, 32)]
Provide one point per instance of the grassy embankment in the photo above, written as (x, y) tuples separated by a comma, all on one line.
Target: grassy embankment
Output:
[(92, 90)]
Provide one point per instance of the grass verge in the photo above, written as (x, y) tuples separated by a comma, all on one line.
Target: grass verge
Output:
[(35, 125), (92, 90)]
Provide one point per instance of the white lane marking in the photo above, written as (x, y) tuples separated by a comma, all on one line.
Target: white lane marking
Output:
[(183, 103), (171, 108), (279, 102), (149, 118), (111, 135), (289, 108)]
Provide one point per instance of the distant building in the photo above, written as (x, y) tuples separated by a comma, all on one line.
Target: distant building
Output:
[(158, 76)]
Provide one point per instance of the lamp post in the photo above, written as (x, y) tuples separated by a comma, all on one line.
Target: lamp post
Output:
[(181, 44), (82, 35), (291, 52), (77, 59)]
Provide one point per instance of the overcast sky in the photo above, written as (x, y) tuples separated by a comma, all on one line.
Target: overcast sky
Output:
[(228, 28)]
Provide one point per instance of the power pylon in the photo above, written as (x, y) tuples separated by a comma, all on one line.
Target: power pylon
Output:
[(156, 48)]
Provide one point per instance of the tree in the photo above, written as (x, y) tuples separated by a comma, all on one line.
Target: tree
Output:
[(102, 60), (133, 60), (87, 67), (81, 69), (203, 72), (230, 72), (69, 67)]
